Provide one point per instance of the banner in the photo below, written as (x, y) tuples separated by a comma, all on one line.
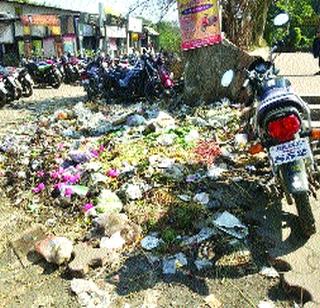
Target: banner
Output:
[(40, 20), (199, 23), (49, 47), (134, 24)]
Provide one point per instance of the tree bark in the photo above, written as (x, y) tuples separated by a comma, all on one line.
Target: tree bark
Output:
[(205, 67), (261, 15)]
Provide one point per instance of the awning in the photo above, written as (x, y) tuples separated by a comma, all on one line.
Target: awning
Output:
[(151, 31), (6, 17)]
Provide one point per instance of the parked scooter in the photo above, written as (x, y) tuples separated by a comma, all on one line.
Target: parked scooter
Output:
[(166, 77), (71, 69), (44, 74), (281, 123), (141, 80), (3, 93), (11, 83), (25, 81)]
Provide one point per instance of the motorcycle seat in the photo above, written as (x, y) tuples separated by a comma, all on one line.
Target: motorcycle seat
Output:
[(279, 98)]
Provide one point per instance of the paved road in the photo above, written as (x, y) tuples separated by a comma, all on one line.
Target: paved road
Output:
[(298, 259), (300, 68)]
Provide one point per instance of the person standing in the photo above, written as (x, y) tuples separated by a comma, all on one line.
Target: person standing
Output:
[(316, 48)]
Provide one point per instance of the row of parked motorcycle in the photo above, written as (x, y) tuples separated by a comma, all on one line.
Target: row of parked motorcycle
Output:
[(128, 78), (17, 82)]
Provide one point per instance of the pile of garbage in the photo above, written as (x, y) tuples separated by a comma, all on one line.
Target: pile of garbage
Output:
[(136, 176)]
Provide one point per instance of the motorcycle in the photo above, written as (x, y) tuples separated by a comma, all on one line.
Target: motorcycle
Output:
[(93, 78), (71, 69), (44, 74), (165, 76), (141, 80), (281, 124), (11, 83), (25, 81), (3, 93)]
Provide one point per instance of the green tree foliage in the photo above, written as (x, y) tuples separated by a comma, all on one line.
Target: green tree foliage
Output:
[(170, 36), (303, 23)]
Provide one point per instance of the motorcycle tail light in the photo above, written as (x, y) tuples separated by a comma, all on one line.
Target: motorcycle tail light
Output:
[(285, 128)]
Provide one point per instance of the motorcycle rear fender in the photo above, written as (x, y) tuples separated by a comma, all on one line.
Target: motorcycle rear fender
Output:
[(295, 176)]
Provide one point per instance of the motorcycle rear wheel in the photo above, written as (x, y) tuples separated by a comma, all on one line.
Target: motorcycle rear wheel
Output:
[(27, 89), (3, 100), (18, 93), (56, 83), (306, 218)]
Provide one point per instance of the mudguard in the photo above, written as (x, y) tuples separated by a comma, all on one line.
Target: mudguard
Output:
[(295, 176)]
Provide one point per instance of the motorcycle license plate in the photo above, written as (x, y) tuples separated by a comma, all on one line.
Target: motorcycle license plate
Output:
[(290, 151)]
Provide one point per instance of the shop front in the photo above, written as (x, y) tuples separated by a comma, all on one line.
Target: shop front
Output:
[(39, 35), (117, 40), (7, 46), (134, 34)]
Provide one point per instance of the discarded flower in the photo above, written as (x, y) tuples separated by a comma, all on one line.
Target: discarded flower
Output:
[(40, 174), (87, 207), (113, 173), (39, 188), (68, 192), (207, 151)]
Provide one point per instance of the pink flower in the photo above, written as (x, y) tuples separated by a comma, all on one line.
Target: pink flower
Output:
[(66, 177), (40, 174), (39, 188), (74, 179), (101, 149), (94, 153), (54, 175), (87, 207), (58, 186), (60, 146), (68, 192), (113, 173)]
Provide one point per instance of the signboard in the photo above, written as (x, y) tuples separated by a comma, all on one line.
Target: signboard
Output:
[(6, 34), (87, 30), (113, 44), (69, 43), (37, 48), (114, 31), (39, 31), (134, 24), (199, 23), (49, 47), (42, 20), (18, 29)]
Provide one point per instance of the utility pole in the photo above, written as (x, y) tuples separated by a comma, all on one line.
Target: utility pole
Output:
[(103, 44)]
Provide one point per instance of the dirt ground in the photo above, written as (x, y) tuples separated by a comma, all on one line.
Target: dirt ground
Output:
[(137, 282)]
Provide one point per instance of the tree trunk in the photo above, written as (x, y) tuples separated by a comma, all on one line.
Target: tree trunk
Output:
[(261, 15), (205, 68)]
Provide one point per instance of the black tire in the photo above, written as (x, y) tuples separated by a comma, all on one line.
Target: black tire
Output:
[(27, 89), (18, 93), (56, 81), (3, 99), (306, 218)]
